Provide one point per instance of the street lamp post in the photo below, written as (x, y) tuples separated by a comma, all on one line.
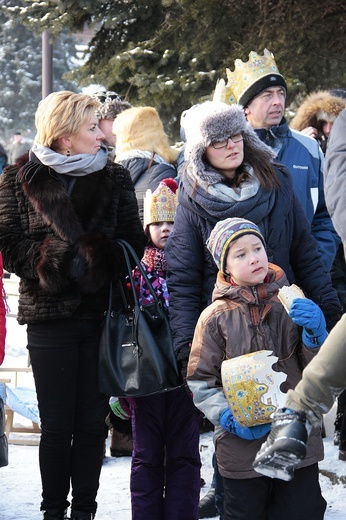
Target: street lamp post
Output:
[(47, 65)]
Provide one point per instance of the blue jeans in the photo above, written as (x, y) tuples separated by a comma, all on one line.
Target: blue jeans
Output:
[(64, 358)]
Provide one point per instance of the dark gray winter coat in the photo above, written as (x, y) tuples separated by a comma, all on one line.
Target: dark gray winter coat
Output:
[(146, 175)]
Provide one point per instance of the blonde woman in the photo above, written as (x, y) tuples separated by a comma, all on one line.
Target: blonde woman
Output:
[(61, 210)]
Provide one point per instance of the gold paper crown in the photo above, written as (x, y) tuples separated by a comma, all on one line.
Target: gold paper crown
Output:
[(249, 79), (160, 205), (252, 387)]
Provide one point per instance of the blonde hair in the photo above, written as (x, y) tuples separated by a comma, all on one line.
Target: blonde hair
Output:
[(61, 114), (140, 128)]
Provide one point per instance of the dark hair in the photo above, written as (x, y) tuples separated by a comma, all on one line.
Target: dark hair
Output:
[(262, 165)]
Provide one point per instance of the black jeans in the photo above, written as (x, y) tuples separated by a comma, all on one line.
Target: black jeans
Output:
[(64, 358), (264, 498)]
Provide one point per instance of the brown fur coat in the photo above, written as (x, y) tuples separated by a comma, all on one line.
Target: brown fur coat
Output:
[(42, 229)]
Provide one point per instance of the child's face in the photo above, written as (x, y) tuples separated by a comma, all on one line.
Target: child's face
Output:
[(247, 261), (159, 233)]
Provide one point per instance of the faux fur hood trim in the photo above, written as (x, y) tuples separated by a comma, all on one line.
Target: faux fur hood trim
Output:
[(316, 108), (140, 128), (215, 121)]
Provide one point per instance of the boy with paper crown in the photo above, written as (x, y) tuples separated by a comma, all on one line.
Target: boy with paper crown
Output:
[(247, 316), (165, 471)]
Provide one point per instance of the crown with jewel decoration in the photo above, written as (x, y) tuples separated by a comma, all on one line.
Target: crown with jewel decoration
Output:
[(249, 79), (161, 205)]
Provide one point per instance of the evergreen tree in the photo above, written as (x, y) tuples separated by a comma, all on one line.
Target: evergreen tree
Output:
[(169, 53), (21, 73)]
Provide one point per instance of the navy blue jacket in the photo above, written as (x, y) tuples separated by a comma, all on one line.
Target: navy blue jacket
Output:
[(192, 272), (304, 159)]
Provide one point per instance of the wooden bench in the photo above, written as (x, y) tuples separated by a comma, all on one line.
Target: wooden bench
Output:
[(11, 377)]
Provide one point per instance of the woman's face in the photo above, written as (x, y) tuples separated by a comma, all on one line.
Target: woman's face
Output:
[(88, 139), (228, 158)]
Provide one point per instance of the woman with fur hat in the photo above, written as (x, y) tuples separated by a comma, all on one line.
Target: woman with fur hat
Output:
[(316, 115), (143, 148), (61, 210), (230, 172), (246, 316)]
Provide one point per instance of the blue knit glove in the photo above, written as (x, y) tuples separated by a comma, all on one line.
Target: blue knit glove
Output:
[(306, 313), (249, 433)]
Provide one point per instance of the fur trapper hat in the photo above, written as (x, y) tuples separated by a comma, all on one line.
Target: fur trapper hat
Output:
[(140, 128), (215, 121), (317, 108)]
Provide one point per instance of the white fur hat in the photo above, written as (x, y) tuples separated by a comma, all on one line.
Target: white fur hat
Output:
[(215, 121)]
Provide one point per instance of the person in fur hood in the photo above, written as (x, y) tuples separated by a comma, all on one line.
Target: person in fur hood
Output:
[(230, 172), (61, 210), (316, 115), (143, 148)]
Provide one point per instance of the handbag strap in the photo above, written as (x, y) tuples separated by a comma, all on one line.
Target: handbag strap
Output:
[(129, 251)]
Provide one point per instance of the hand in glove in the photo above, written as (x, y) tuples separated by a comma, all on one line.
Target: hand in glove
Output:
[(248, 433), (77, 268), (182, 357), (120, 408), (306, 313)]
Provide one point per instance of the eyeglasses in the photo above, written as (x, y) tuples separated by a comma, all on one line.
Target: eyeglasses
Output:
[(222, 144), (102, 96)]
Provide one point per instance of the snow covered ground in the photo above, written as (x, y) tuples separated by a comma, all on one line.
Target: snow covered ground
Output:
[(20, 486)]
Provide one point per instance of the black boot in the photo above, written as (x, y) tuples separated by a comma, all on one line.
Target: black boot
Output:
[(81, 515), (55, 514), (121, 444), (285, 446), (207, 507), (342, 444), (337, 428)]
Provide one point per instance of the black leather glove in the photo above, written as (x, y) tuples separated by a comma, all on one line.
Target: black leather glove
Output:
[(77, 268), (183, 358)]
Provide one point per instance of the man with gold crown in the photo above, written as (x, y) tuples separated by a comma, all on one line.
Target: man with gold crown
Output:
[(259, 87)]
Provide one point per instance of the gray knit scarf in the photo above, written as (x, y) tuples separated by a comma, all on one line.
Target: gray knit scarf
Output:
[(220, 201), (75, 165)]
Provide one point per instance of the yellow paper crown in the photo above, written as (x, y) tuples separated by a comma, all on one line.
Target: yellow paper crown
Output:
[(249, 79), (252, 387), (160, 205)]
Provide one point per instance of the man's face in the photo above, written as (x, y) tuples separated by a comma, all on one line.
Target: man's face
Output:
[(106, 126), (17, 138), (267, 109)]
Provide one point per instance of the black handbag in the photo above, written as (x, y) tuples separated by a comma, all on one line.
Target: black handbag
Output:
[(136, 356), (3, 438)]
